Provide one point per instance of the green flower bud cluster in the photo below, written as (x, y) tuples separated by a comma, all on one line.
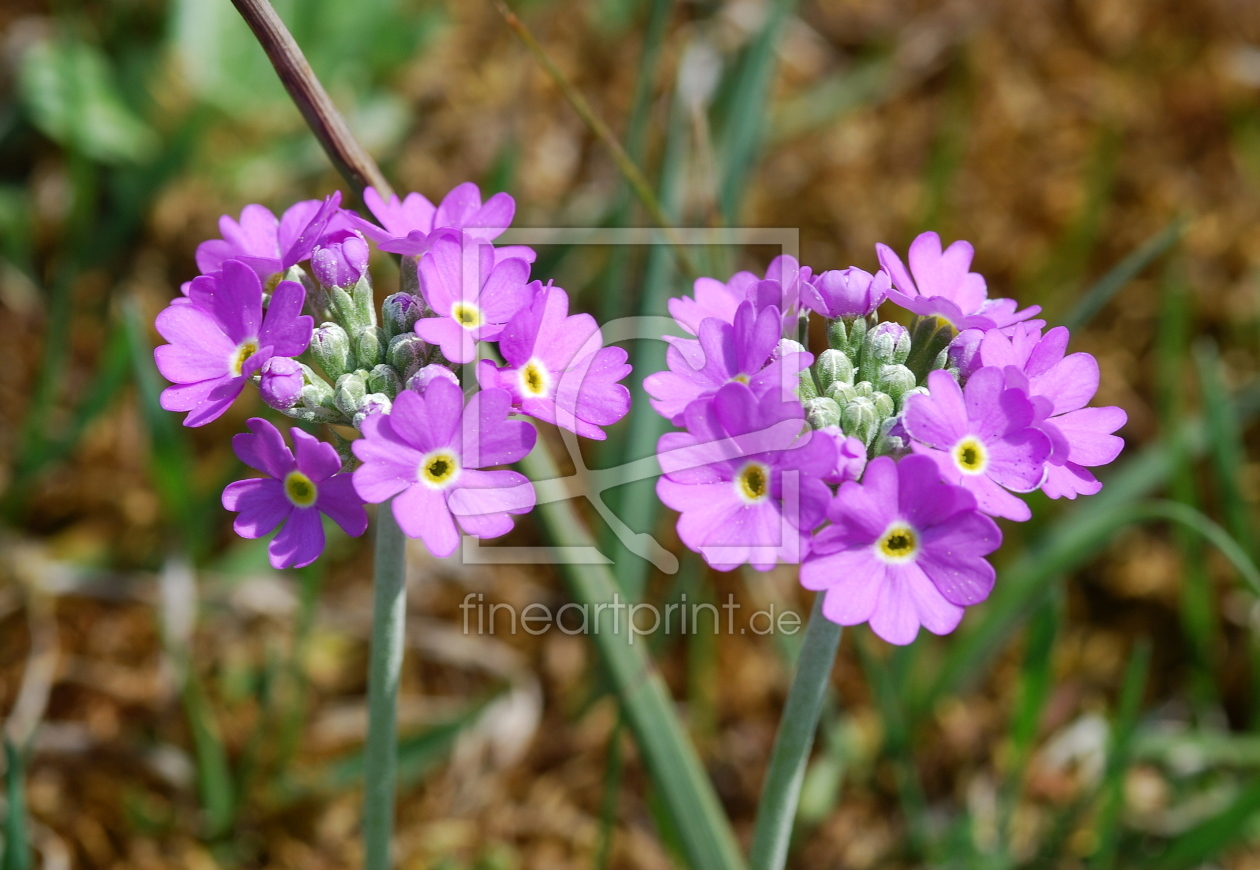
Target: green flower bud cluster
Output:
[(863, 380), (359, 362)]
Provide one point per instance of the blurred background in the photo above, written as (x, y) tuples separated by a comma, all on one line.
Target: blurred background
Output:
[(170, 701)]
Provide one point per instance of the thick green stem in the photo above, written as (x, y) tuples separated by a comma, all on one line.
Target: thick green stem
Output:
[(782, 790), (671, 759), (389, 612)]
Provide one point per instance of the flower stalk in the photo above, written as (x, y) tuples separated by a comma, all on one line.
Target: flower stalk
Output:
[(389, 613), (781, 792)]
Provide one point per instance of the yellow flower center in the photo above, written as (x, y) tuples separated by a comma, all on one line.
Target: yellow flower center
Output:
[(466, 315), (438, 469), (300, 489), (743, 379), (898, 544), (753, 483), (269, 285), (535, 379), (243, 352), (970, 456)]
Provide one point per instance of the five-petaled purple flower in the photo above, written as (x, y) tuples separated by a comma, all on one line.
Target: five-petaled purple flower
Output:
[(745, 479), (782, 288), (473, 296), (982, 438), (725, 352), (297, 489), (904, 549), (270, 246), (219, 337), (427, 454), (941, 284), (1060, 387), (558, 369)]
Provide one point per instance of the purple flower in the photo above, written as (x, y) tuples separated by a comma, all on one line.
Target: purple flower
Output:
[(340, 259), (725, 352), (407, 224), (781, 288), (942, 284), (1060, 387), (850, 292), (428, 451), (905, 549), (745, 478), (270, 246), (280, 382), (472, 296), (850, 456), (219, 337), (558, 369), (420, 380), (981, 437), (297, 490)]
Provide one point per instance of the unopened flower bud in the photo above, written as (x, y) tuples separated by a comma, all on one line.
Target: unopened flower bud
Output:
[(884, 404), (847, 334), (847, 293), (351, 388), (421, 379), (383, 379), (331, 348), (891, 440), (895, 380), (864, 389), (280, 383), (964, 352), (907, 395), (400, 312), (406, 353), (373, 403), (316, 392), (340, 259), (822, 412), (860, 419), (887, 344), (841, 393), (833, 367), (370, 346)]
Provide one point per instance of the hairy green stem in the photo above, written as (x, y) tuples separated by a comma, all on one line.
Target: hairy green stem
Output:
[(781, 792), (389, 612)]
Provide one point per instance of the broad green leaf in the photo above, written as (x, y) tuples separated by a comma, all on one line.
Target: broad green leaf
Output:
[(68, 88)]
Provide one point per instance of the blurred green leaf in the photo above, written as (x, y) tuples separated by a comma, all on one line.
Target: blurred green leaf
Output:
[(17, 847), (69, 90), (1096, 298), (1119, 755), (1208, 839)]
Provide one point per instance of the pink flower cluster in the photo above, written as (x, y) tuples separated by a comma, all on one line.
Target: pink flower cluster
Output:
[(251, 317), (880, 469)]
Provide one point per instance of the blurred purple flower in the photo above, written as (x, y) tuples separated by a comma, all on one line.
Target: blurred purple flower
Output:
[(296, 490), (781, 287), (904, 549)]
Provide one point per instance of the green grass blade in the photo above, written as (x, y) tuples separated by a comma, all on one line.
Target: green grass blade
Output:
[(1035, 682), (1226, 449), (1119, 756), (1198, 600), (214, 773), (1208, 839), (17, 846), (680, 778), (746, 109), (1075, 537), (1096, 298)]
